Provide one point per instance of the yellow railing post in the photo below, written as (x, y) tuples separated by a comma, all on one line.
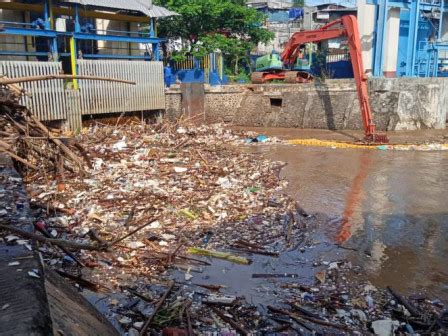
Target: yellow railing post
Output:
[(50, 9), (73, 61)]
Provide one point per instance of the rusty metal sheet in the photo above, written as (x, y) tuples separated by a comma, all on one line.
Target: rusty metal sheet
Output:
[(193, 101)]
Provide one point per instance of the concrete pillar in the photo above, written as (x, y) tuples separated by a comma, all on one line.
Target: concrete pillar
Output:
[(392, 36), (366, 19), (308, 17)]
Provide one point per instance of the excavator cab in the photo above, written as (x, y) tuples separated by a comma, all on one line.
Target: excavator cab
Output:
[(271, 62), (302, 64), (305, 58)]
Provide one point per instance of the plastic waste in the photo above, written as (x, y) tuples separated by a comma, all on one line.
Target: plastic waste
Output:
[(259, 138)]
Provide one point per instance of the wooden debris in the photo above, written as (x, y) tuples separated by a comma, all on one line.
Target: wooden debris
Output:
[(58, 242), (21, 129), (215, 288), (230, 321), (141, 227), (292, 316), (12, 81), (189, 324), (279, 275), (82, 282), (309, 318), (401, 300), (156, 309), (129, 218), (220, 255), (139, 295)]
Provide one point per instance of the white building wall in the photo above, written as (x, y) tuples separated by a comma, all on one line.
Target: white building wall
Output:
[(117, 48), (391, 45)]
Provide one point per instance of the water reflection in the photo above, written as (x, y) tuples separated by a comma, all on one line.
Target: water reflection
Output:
[(392, 204), (351, 219)]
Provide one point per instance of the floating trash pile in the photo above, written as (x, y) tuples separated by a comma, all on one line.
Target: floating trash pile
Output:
[(162, 203)]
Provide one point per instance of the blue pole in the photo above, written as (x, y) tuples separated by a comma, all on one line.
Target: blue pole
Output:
[(49, 25), (412, 37), (152, 32), (155, 46), (47, 14), (155, 51), (379, 38), (439, 36), (77, 24), (436, 63)]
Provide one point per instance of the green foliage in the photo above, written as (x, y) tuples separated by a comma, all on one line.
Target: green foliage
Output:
[(298, 3), (321, 62), (239, 77), (228, 26)]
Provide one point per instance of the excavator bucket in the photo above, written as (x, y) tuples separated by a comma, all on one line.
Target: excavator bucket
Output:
[(376, 139)]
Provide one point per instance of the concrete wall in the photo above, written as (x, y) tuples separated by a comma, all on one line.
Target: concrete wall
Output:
[(397, 104), (366, 15)]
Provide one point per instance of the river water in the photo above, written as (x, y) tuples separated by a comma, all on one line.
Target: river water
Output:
[(391, 206)]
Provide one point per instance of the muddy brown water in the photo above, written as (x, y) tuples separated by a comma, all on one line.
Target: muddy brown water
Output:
[(392, 204)]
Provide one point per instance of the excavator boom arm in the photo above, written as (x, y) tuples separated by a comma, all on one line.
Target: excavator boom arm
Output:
[(349, 28)]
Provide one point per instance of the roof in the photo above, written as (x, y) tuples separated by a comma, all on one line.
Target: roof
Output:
[(271, 4), (343, 10), (330, 6), (143, 6), (159, 12)]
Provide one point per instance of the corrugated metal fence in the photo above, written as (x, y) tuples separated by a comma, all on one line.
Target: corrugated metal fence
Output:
[(107, 97), (48, 97), (52, 101)]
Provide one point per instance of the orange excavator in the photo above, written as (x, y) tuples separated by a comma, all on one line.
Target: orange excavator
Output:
[(345, 26)]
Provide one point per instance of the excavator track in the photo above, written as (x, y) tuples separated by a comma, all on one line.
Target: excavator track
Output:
[(304, 77), (298, 77), (257, 78), (291, 77)]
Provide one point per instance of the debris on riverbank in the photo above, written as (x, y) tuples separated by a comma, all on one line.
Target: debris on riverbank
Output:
[(165, 202)]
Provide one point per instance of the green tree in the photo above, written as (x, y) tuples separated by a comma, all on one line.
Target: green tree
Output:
[(298, 3), (210, 25)]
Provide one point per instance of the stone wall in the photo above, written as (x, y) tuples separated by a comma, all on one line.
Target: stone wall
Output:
[(397, 104)]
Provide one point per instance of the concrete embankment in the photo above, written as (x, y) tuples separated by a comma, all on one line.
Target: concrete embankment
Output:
[(33, 299), (397, 104), (24, 306)]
